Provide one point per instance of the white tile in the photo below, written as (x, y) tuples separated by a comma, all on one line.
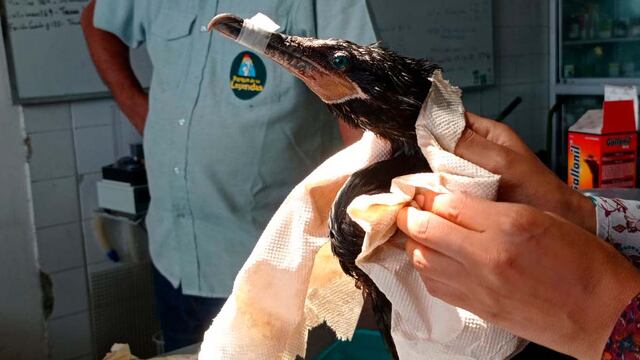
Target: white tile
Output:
[(60, 247), (39, 118), (522, 40), (88, 194), (70, 336), (507, 69), (70, 292), (521, 13), (533, 95), (491, 102), (55, 202), (92, 113), (530, 125), (472, 100), (536, 133), (94, 148), (125, 135), (52, 155), (94, 253), (523, 69)]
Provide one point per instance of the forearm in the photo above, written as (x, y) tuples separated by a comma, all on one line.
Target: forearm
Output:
[(111, 58), (579, 209)]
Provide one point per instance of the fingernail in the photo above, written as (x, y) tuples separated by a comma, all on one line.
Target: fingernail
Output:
[(419, 261)]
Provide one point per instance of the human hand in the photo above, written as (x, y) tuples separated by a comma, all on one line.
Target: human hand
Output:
[(525, 179), (532, 273)]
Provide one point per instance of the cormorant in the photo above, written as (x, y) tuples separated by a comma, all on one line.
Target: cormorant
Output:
[(371, 88)]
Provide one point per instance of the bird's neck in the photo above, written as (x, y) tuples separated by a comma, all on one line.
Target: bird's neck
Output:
[(408, 148)]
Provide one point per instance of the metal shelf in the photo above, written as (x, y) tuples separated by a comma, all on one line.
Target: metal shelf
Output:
[(600, 41), (590, 86)]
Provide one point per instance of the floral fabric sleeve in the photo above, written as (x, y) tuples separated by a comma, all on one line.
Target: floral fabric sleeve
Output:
[(619, 224), (624, 342)]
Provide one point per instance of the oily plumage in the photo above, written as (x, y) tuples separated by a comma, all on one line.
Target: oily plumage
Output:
[(347, 237), (368, 87), (395, 89)]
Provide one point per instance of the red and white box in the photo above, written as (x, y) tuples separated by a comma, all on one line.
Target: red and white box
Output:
[(603, 144)]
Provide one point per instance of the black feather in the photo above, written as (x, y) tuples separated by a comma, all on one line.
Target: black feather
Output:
[(347, 236), (393, 89)]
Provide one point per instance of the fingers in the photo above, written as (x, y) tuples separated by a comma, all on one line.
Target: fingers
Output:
[(464, 210), (480, 125), (484, 153), (432, 264), (435, 232)]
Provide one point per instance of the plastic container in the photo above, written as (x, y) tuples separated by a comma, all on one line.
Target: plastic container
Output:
[(365, 345)]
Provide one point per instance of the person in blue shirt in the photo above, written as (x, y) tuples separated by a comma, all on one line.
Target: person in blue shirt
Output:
[(227, 134)]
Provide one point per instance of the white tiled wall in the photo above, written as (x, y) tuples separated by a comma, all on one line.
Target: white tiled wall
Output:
[(521, 49), (52, 155), (60, 240), (55, 201), (70, 336), (70, 143)]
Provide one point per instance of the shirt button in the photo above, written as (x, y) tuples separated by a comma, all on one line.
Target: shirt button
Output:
[(176, 170), (203, 28), (181, 122)]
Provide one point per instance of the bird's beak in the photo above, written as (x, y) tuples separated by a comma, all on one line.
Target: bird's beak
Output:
[(227, 24), (296, 54)]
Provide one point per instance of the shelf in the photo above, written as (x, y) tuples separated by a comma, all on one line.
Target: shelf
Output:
[(600, 41), (590, 86)]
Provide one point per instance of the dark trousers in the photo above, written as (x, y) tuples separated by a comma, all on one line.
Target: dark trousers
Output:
[(183, 318)]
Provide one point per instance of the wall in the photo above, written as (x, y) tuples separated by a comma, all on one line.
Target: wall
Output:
[(521, 47), (70, 143), (22, 334)]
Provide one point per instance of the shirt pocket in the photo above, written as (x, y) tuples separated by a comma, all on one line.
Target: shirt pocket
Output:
[(230, 61), (169, 44)]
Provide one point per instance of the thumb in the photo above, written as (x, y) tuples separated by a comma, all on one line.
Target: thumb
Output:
[(498, 133), (484, 153)]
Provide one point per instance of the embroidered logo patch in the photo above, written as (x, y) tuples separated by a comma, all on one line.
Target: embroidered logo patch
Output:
[(248, 76)]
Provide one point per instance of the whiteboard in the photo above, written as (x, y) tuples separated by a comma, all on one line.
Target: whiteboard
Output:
[(49, 61), (47, 54), (455, 34)]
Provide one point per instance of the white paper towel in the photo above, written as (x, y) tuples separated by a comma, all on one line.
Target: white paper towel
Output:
[(291, 282)]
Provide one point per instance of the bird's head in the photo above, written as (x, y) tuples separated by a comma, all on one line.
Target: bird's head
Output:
[(369, 87)]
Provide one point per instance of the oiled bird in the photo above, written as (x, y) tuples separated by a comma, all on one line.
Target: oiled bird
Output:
[(371, 88)]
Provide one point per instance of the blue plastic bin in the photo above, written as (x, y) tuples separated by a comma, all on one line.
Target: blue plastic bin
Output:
[(365, 345)]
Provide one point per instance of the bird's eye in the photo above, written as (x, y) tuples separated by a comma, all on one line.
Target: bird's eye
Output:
[(340, 61)]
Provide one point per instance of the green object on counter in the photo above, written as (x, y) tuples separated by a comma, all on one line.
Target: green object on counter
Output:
[(365, 345)]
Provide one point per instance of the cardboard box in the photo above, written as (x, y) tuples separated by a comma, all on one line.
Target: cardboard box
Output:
[(603, 144)]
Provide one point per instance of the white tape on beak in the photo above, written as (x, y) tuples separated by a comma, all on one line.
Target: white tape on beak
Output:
[(256, 32)]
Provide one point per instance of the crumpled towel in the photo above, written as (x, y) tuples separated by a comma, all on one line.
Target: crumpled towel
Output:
[(279, 294), (291, 282)]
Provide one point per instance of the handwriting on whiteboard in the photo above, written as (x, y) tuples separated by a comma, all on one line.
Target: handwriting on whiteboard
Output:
[(455, 34), (39, 15)]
